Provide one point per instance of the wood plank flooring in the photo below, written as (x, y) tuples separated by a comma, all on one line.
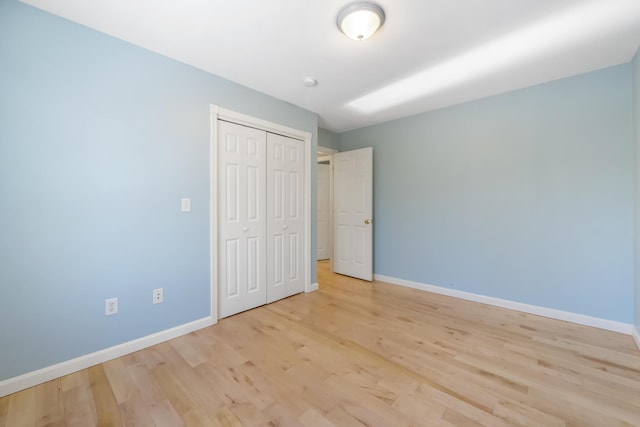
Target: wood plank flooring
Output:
[(356, 354)]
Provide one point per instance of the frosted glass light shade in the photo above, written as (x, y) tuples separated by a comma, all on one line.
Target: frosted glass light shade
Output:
[(360, 20)]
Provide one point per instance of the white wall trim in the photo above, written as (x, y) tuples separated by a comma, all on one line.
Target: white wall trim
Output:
[(325, 154), (313, 287), (254, 122), (636, 335), (326, 150), (567, 316), (49, 373), (213, 210), (308, 155)]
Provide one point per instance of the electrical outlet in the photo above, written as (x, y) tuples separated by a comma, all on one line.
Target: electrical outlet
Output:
[(110, 306), (158, 296)]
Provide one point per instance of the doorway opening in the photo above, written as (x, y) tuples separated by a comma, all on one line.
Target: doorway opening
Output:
[(345, 234), (325, 203)]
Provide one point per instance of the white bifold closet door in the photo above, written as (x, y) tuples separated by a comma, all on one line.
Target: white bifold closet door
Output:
[(242, 218), (260, 217), (285, 217)]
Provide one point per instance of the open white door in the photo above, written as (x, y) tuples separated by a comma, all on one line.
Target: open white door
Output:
[(353, 209)]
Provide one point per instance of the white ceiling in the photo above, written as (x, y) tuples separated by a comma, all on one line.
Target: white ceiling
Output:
[(429, 53)]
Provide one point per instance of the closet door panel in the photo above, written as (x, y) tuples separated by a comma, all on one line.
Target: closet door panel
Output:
[(242, 218), (285, 221)]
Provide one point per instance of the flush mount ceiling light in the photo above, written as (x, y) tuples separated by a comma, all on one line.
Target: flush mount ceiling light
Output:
[(360, 20)]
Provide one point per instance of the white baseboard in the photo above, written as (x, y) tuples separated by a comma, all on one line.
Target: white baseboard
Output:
[(313, 287), (567, 316), (49, 373), (636, 335)]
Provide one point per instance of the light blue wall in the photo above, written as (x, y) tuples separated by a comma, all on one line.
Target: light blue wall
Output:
[(526, 196), (328, 139), (636, 127), (99, 140)]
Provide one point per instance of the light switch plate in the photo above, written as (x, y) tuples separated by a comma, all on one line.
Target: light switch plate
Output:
[(186, 205)]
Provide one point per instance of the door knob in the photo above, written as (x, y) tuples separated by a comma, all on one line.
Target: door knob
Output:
[(367, 221), (245, 229), (285, 226)]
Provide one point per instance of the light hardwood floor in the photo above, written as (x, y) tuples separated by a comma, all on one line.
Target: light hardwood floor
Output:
[(353, 354)]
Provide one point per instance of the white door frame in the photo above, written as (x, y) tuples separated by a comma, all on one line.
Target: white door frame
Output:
[(218, 113)]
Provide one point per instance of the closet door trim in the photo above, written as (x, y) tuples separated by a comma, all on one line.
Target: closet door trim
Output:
[(218, 113)]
